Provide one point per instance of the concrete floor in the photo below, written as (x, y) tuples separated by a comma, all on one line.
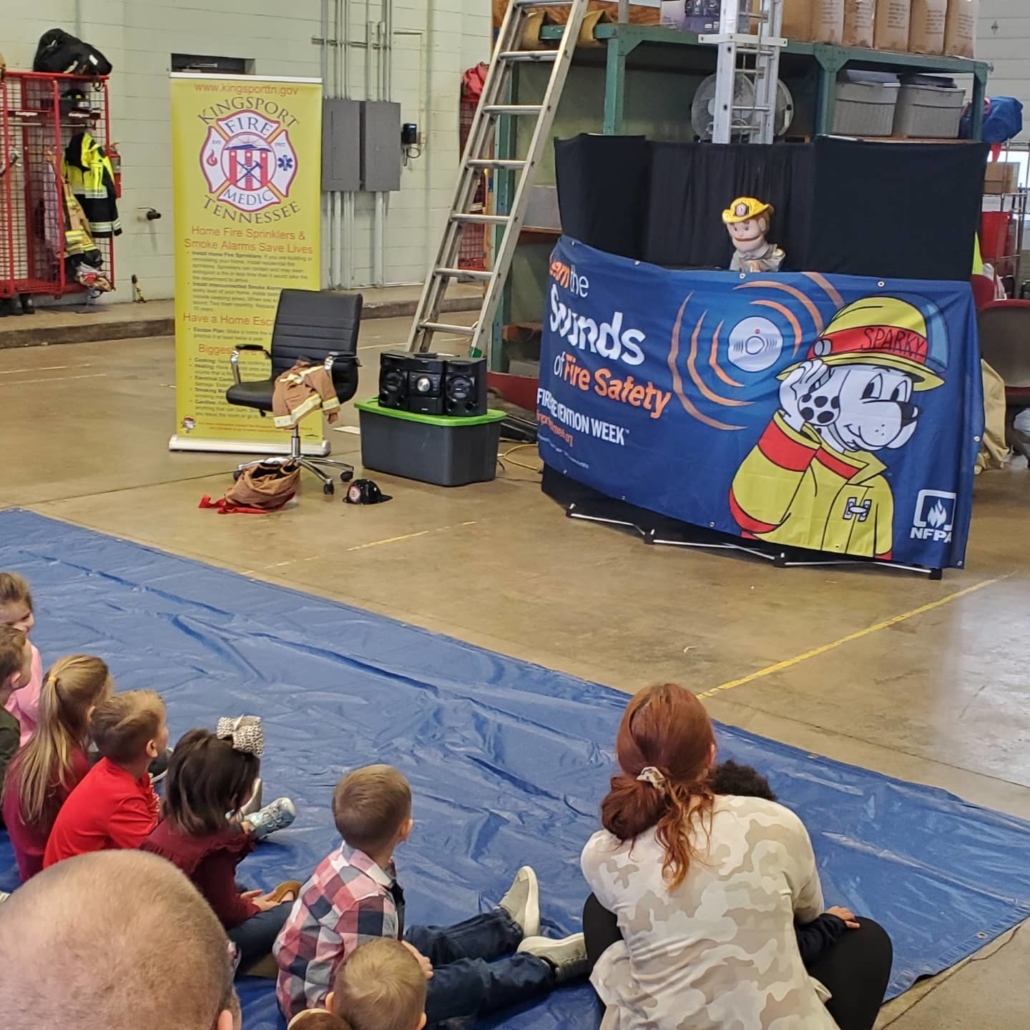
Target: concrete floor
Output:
[(940, 696)]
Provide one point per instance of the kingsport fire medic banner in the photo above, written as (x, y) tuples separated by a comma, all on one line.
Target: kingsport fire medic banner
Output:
[(836, 413), (247, 181)]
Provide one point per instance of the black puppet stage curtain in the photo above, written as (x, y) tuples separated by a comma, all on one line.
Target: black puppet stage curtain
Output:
[(899, 210)]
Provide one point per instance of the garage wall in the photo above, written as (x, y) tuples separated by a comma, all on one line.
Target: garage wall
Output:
[(1003, 38), (434, 41)]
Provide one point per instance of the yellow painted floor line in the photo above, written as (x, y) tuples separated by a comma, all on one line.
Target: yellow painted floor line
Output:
[(823, 648), (388, 540)]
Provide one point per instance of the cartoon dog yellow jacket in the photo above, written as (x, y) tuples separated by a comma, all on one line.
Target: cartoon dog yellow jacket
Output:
[(813, 479)]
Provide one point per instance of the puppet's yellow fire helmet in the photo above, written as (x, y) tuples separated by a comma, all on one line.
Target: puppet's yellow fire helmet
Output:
[(744, 208)]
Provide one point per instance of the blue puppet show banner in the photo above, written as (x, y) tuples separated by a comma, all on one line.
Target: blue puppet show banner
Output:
[(836, 413)]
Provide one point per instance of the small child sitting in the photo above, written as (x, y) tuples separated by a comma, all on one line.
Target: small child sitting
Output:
[(115, 805), (54, 761), (814, 938), (211, 777), (15, 674), (381, 986), (354, 897), (16, 612)]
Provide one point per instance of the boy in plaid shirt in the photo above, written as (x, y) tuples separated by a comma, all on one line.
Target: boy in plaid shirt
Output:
[(354, 897)]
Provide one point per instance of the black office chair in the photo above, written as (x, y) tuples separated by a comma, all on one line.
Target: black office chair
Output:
[(316, 327)]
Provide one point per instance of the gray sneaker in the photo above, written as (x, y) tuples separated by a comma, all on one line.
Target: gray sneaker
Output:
[(522, 902), (568, 955), (276, 816)]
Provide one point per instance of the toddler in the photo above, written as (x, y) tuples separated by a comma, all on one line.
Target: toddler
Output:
[(53, 762), (114, 806), (380, 987), (354, 897), (15, 675), (16, 611), (211, 777)]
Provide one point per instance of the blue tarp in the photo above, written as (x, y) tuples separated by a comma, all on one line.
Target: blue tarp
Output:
[(508, 760)]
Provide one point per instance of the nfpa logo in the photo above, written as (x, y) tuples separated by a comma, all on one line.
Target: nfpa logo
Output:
[(934, 517), (248, 161)]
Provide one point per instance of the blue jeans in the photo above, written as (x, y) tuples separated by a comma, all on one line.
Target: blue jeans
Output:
[(467, 978), (255, 936)]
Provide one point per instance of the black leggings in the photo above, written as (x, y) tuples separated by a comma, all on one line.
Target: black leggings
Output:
[(855, 971)]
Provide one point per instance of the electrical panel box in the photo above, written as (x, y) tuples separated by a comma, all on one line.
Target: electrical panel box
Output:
[(380, 146), (341, 145)]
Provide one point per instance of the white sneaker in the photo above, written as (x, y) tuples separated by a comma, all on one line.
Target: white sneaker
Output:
[(522, 902), (276, 816), (568, 955)]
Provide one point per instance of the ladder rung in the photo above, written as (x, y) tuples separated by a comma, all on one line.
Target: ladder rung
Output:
[(543, 3), (463, 273), (513, 108), (443, 327), (751, 107), (494, 162), (460, 216), (528, 55)]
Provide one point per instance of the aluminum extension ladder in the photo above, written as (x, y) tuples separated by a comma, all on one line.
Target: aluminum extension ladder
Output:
[(756, 56), (495, 103)]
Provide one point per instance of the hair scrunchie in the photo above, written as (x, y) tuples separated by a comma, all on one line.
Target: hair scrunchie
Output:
[(244, 732), (649, 774)]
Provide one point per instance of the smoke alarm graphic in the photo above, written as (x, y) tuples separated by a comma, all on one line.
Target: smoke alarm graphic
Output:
[(934, 516), (248, 161)]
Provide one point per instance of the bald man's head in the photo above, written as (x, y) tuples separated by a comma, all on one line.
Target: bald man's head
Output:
[(114, 940)]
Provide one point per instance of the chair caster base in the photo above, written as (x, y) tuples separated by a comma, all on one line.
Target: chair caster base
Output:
[(328, 488), (346, 477)]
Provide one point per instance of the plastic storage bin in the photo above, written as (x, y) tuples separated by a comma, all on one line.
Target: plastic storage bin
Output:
[(430, 448), (929, 108), (865, 103)]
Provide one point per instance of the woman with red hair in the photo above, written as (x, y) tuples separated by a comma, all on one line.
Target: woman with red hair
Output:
[(705, 891)]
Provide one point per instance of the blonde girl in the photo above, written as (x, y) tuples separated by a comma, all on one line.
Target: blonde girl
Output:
[(48, 768)]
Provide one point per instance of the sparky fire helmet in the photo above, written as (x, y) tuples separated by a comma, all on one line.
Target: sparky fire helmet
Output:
[(744, 208), (884, 331)]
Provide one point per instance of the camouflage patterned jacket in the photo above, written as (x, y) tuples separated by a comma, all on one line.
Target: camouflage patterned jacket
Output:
[(719, 952)]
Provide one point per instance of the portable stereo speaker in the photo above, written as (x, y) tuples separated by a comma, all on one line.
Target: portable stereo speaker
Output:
[(464, 387), (393, 379), (425, 384)]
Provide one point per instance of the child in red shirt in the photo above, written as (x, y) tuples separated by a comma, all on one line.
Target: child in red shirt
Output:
[(52, 764), (115, 805), (211, 779)]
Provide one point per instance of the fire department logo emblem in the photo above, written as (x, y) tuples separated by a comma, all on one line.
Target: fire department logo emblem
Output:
[(248, 161)]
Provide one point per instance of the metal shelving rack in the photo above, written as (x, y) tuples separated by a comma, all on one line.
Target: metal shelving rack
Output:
[(622, 41), (627, 48)]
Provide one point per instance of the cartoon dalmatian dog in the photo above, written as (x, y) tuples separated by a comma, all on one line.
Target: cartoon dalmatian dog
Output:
[(813, 480)]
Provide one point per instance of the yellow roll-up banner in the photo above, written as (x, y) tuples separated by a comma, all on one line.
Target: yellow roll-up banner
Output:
[(247, 186)]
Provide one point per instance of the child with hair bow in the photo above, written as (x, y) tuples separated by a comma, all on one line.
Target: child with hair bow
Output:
[(205, 831)]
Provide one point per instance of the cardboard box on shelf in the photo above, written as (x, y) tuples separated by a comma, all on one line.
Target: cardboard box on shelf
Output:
[(960, 29), (816, 21), (1001, 177), (892, 24), (926, 30), (859, 19), (698, 16)]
